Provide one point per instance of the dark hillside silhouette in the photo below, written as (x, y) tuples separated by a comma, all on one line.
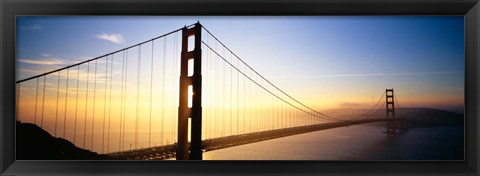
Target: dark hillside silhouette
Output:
[(34, 143), (427, 117)]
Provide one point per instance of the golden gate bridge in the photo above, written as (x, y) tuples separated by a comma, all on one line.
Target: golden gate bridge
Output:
[(176, 95)]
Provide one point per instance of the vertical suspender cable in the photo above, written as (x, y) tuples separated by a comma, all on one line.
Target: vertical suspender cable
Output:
[(121, 104), (176, 81), (138, 94), (244, 100), (94, 101), (110, 104), (278, 118), (271, 120), (124, 100), (238, 99), (175, 36), (205, 94), (56, 108), (262, 119), (164, 89), (76, 106), (231, 97), (217, 99), (173, 82), (36, 101), (65, 109), (105, 102), (207, 110), (86, 105), (224, 87), (176, 75), (289, 117), (43, 101), (250, 107), (151, 89), (283, 115)]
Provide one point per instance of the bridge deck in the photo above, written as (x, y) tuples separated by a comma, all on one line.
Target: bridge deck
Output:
[(168, 151)]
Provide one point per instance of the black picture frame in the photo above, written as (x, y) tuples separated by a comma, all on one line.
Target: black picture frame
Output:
[(10, 8)]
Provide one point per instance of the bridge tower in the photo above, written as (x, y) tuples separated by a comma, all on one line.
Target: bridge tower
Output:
[(194, 150), (390, 106)]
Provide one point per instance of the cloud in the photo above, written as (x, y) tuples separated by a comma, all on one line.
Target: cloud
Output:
[(365, 75), (46, 55), (46, 61), (32, 27), (31, 72), (114, 38)]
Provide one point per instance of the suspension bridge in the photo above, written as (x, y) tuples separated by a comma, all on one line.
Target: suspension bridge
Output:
[(173, 96)]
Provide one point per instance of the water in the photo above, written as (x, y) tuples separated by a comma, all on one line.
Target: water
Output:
[(360, 142)]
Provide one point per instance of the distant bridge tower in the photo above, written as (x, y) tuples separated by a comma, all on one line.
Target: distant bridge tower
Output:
[(391, 126), (194, 150)]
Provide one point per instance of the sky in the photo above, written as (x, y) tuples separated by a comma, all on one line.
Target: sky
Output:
[(326, 62)]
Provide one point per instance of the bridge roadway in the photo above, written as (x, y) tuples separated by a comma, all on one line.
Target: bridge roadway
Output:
[(168, 151)]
